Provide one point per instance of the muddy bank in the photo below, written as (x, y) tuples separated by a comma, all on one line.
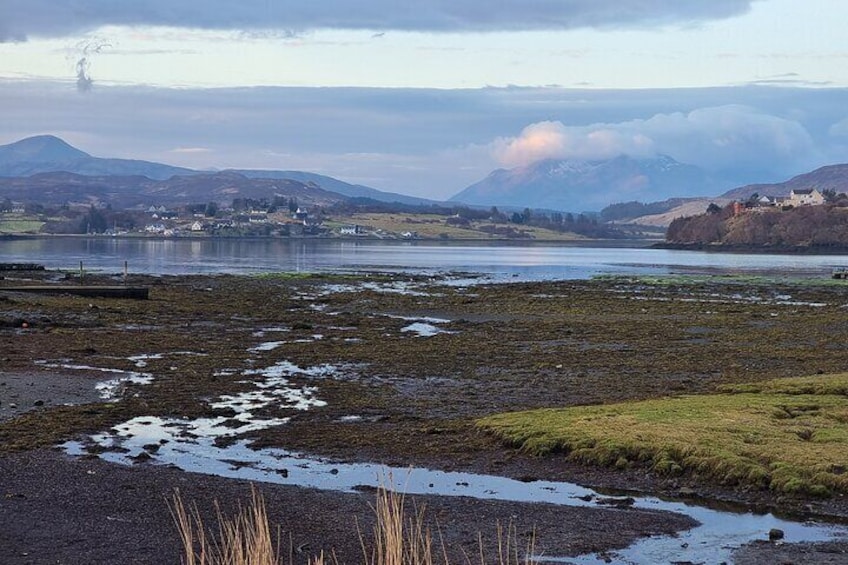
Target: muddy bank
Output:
[(34, 391), (56, 509), (390, 394)]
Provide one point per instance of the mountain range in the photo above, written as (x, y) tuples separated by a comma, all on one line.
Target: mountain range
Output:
[(57, 173), (48, 154)]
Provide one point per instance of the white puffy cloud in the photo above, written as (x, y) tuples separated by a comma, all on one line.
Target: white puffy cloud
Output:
[(20, 19), (553, 140), (717, 138)]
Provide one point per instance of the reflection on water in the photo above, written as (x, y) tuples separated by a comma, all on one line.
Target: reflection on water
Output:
[(195, 445), (501, 260)]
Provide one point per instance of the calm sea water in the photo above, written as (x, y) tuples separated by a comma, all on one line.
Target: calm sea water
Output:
[(499, 261)]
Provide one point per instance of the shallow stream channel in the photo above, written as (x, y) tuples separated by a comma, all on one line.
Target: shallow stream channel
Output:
[(216, 446)]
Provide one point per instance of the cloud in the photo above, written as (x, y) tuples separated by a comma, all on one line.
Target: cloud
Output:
[(434, 142), (191, 150), (20, 19), (839, 129), (716, 138), (553, 140)]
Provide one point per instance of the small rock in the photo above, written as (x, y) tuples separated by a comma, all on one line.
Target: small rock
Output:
[(775, 534), (617, 502), (38, 403), (13, 406)]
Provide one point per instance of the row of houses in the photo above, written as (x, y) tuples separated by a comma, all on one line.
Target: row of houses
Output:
[(797, 197)]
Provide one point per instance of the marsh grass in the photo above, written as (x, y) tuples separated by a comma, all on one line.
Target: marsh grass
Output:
[(787, 435), (398, 538), (245, 539)]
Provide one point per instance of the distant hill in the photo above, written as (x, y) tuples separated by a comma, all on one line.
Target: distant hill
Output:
[(39, 149), (682, 210), (47, 154), (330, 183), (56, 189), (577, 185), (50, 154), (831, 177), (661, 214), (658, 214)]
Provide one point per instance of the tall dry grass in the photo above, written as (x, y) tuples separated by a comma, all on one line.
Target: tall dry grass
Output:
[(398, 538)]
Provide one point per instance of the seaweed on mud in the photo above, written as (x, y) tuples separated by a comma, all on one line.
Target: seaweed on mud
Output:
[(511, 347)]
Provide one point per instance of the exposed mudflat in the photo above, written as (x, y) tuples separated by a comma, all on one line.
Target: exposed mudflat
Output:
[(389, 394)]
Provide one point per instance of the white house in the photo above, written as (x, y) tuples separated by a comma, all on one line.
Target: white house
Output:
[(805, 197), (351, 230)]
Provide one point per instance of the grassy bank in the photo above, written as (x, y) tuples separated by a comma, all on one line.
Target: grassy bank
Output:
[(788, 435)]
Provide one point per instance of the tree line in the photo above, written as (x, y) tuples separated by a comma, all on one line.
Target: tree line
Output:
[(803, 226)]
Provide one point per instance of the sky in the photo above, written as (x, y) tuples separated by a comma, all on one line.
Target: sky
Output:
[(426, 98)]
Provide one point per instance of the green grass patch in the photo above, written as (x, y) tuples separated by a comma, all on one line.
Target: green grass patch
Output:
[(433, 226), (788, 435), (19, 225)]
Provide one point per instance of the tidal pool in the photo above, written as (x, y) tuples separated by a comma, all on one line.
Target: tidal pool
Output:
[(216, 446)]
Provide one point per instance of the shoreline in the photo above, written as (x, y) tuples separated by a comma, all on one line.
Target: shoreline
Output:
[(753, 249), (581, 241)]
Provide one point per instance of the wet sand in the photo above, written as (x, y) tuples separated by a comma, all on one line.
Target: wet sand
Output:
[(38, 390)]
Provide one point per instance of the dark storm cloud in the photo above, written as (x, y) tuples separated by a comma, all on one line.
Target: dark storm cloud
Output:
[(20, 19)]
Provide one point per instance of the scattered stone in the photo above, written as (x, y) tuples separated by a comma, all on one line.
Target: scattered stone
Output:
[(617, 502), (775, 534), (686, 492), (38, 403)]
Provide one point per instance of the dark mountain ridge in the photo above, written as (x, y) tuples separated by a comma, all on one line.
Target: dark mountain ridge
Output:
[(830, 177), (60, 188), (48, 153)]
